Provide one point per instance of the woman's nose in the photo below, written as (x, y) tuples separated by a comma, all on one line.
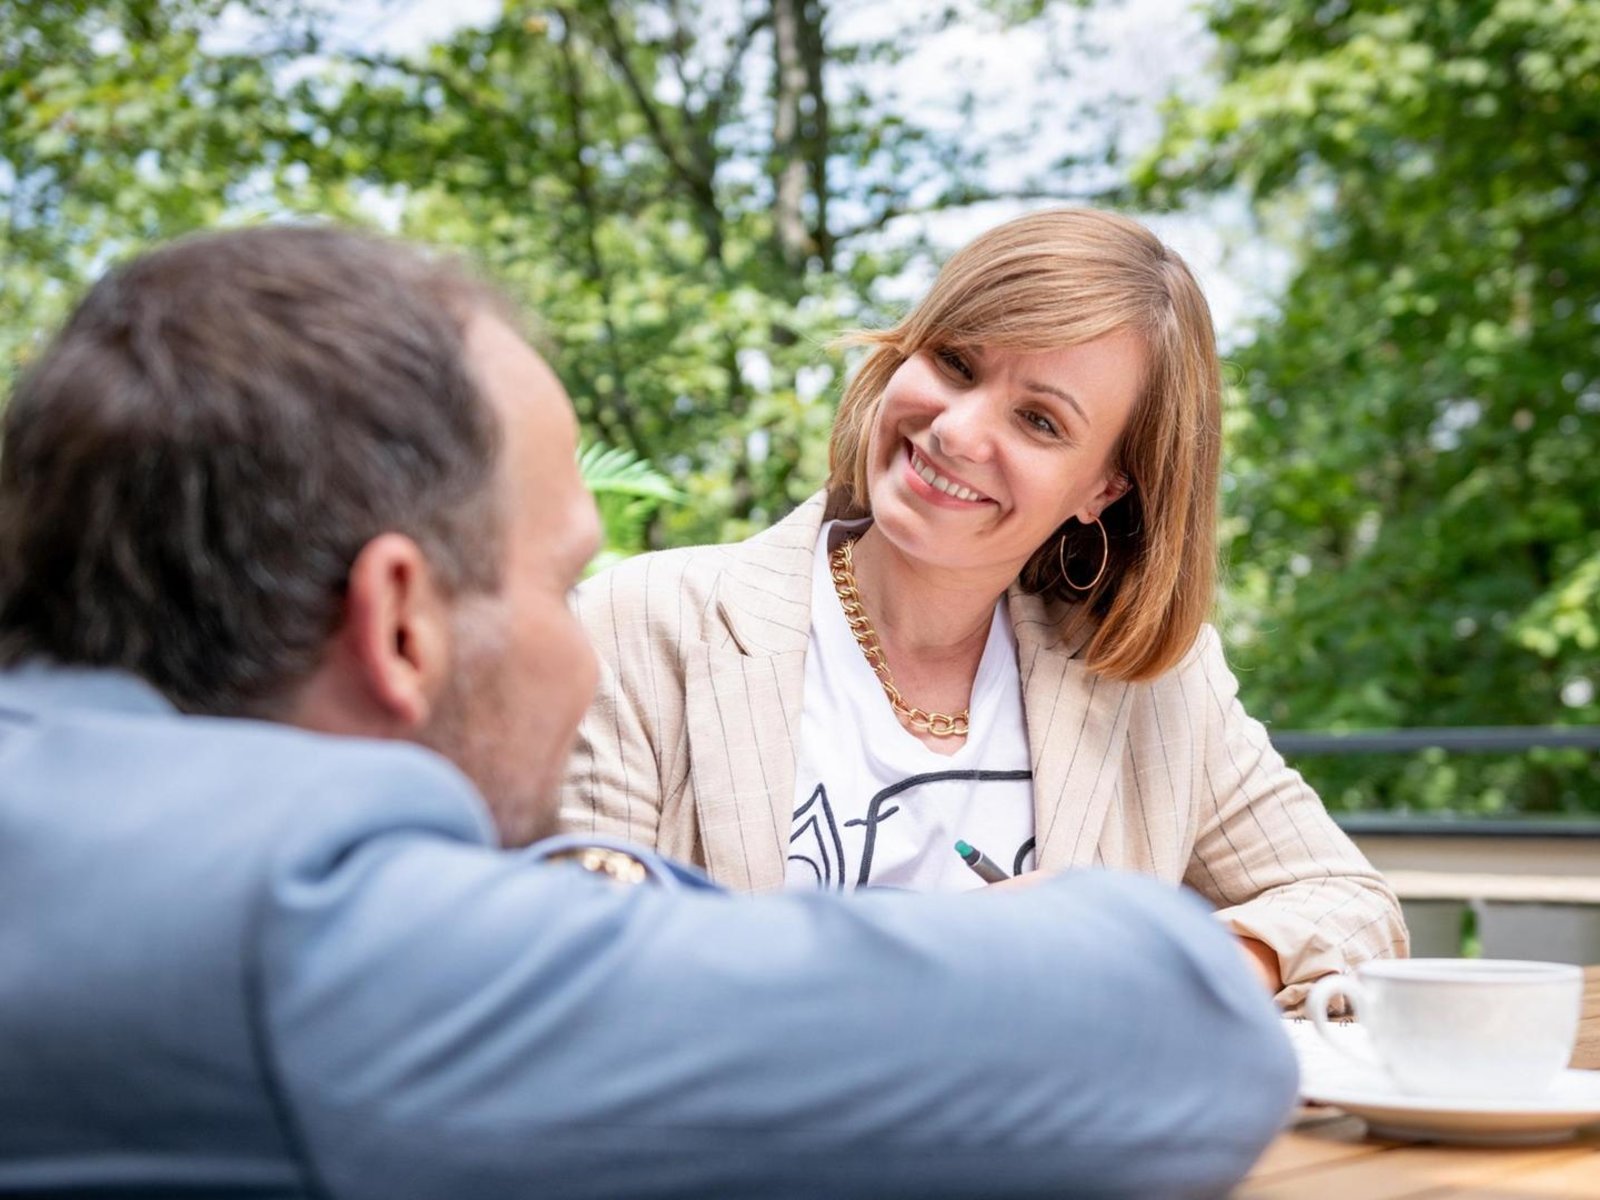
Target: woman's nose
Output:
[(964, 428)]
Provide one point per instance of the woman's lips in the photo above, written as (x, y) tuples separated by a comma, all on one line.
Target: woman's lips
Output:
[(935, 486)]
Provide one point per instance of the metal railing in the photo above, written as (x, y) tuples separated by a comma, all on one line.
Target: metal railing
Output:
[(1448, 917), (1488, 739)]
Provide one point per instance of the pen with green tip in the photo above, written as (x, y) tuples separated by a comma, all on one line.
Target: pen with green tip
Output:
[(988, 870)]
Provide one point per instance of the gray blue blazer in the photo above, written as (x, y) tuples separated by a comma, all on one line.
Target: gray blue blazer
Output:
[(241, 959)]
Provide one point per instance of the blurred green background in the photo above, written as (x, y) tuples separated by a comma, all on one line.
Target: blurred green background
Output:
[(1397, 201)]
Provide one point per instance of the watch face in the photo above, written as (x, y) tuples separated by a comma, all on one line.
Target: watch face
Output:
[(617, 865)]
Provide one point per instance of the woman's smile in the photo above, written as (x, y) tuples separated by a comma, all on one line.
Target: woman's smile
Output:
[(936, 485)]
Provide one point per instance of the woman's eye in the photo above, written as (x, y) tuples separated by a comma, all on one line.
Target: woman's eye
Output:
[(1042, 423), (953, 362)]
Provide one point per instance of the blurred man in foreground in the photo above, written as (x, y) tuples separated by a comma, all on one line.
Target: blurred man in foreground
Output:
[(277, 503)]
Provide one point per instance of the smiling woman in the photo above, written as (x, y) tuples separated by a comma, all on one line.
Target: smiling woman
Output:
[(988, 627)]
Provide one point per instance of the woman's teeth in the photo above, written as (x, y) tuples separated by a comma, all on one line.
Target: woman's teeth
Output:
[(935, 480)]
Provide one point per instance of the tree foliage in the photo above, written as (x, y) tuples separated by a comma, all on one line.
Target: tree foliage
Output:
[(117, 128), (694, 196), (1414, 497), (627, 490)]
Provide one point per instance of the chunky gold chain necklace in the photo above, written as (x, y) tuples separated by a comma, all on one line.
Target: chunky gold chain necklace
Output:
[(841, 564)]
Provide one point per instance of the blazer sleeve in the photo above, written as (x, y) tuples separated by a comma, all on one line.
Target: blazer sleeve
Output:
[(1268, 854), (614, 781), (435, 1017)]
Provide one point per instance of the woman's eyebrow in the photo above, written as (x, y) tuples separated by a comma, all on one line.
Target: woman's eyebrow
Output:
[(1035, 386)]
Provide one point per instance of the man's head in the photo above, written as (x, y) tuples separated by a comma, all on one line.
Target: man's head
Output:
[(312, 476)]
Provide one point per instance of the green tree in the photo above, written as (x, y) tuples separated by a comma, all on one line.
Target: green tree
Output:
[(1413, 495), (120, 126)]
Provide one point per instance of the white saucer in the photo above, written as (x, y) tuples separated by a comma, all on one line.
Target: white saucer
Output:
[(1572, 1102)]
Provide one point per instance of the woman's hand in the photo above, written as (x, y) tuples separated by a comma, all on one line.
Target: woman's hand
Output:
[(1263, 961)]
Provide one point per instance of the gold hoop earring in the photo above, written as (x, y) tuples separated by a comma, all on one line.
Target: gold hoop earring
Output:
[(1105, 558)]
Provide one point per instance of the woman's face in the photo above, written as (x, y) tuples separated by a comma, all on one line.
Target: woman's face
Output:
[(978, 454)]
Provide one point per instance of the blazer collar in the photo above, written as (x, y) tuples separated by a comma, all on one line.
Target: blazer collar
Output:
[(1039, 623), (763, 619), (38, 686)]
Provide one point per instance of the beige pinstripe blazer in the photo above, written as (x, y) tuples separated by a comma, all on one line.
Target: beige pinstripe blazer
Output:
[(690, 748)]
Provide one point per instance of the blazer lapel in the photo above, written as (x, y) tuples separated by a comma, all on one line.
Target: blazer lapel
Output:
[(743, 694), (1077, 728), (742, 760)]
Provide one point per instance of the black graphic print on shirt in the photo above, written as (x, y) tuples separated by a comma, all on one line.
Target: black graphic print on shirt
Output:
[(814, 838)]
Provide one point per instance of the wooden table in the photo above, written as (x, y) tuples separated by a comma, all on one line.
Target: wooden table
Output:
[(1327, 1156)]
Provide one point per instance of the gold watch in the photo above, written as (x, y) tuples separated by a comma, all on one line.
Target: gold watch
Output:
[(617, 865)]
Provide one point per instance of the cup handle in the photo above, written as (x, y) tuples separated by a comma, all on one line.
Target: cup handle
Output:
[(1324, 990)]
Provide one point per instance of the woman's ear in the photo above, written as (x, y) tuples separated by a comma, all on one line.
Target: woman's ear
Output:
[(1114, 488), (396, 634)]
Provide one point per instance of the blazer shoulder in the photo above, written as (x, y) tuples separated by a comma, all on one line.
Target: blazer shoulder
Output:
[(755, 593), (1201, 680), (685, 567), (1202, 664), (248, 791), (662, 594), (384, 781), (1204, 653)]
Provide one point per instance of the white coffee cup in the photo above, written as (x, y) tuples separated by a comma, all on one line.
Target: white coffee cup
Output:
[(1461, 1027)]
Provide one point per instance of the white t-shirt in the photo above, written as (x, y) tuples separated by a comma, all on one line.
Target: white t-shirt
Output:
[(873, 805)]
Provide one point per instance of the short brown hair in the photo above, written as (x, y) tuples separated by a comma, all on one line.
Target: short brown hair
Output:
[(1061, 278), (190, 469)]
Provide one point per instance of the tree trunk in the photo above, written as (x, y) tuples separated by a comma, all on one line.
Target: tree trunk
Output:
[(818, 134), (788, 149)]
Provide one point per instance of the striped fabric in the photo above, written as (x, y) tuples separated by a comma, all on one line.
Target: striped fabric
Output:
[(690, 748)]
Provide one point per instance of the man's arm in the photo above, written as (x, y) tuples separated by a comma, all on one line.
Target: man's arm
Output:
[(442, 1019)]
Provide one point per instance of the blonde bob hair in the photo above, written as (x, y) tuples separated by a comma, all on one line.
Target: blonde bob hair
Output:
[(1061, 278)]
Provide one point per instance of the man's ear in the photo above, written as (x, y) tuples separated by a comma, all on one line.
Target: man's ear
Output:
[(1115, 488), (396, 634)]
